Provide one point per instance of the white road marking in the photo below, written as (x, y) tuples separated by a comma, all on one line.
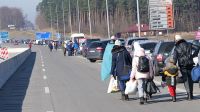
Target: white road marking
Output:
[(178, 89), (44, 77), (46, 89), (43, 70), (49, 111), (42, 65)]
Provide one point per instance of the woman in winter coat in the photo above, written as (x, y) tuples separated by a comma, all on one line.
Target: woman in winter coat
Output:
[(121, 66), (141, 77)]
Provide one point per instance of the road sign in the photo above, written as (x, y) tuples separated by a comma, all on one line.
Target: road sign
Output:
[(4, 36), (43, 35), (161, 14)]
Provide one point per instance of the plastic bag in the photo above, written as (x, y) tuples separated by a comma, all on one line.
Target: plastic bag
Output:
[(131, 87), (113, 86)]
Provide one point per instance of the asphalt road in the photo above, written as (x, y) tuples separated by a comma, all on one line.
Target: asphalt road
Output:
[(50, 82)]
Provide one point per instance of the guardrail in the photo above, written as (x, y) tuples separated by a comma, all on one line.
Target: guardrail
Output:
[(9, 66)]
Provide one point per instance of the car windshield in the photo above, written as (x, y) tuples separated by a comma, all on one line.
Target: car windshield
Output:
[(132, 40), (91, 40), (148, 46)]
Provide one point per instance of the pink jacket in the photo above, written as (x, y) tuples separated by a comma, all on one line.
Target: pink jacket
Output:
[(134, 73)]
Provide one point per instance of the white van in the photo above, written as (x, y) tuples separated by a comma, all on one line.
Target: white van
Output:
[(79, 37)]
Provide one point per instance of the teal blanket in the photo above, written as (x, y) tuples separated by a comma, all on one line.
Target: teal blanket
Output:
[(107, 62)]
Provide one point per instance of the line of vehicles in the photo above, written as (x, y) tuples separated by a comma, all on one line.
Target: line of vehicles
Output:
[(159, 51)]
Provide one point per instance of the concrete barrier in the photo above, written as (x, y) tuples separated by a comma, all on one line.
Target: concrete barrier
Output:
[(9, 67)]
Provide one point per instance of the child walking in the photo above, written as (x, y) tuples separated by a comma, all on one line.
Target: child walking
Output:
[(170, 73)]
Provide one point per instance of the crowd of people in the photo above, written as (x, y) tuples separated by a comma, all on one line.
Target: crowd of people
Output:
[(71, 47), (118, 64)]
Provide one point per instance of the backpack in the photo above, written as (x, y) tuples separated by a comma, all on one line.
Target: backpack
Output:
[(196, 73), (143, 64)]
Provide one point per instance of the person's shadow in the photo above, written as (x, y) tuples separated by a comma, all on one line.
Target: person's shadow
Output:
[(12, 94), (167, 98)]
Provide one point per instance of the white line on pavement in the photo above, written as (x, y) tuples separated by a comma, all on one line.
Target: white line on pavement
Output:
[(42, 65), (46, 89), (44, 77), (43, 70), (49, 111)]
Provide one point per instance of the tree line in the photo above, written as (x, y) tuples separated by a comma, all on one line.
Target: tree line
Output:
[(11, 16), (122, 13)]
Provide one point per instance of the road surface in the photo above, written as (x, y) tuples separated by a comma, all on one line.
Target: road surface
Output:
[(50, 82)]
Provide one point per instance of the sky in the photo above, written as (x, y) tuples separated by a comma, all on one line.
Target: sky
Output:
[(27, 6)]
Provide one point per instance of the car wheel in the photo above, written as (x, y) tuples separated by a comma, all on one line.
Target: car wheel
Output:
[(92, 60)]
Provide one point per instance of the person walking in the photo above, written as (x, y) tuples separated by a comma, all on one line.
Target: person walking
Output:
[(141, 75), (76, 47), (107, 59), (170, 73), (70, 48), (50, 46), (183, 54), (64, 48), (121, 66)]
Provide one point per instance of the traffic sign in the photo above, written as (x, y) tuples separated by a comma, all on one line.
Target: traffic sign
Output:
[(43, 35), (4, 36), (161, 14)]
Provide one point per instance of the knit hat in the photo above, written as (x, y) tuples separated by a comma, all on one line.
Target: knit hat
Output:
[(118, 42), (178, 37), (113, 37)]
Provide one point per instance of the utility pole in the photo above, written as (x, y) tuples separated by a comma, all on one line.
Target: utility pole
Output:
[(108, 19), (63, 18), (89, 18), (79, 23), (138, 18), (70, 21)]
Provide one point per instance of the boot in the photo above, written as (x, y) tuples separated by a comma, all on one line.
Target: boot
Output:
[(123, 97), (189, 96), (126, 97), (141, 100), (174, 98)]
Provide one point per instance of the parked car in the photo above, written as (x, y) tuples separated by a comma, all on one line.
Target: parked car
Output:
[(129, 41), (86, 44), (160, 53), (96, 50), (148, 45)]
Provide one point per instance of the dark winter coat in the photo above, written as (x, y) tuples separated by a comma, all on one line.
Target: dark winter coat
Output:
[(183, 53), (120, 57)]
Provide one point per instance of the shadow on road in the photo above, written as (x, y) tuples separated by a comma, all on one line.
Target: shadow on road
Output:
[(14, 91), (180, 97)]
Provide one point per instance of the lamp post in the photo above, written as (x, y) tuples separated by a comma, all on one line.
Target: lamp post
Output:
[(138, 18), (108, 19)]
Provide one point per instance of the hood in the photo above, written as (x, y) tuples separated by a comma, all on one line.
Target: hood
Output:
[(180, 41), (139, 52), (117, 49), (136, 46)]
